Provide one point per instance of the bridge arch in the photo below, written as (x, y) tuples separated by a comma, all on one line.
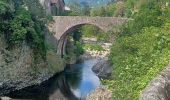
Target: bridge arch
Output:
[(62, 25), (63, 39)]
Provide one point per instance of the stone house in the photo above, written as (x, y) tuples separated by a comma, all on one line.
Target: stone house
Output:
[(53, 7)]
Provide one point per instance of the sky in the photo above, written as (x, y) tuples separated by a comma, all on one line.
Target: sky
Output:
[(90, 2)]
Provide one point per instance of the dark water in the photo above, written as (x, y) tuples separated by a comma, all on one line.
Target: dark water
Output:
[(74, 84)]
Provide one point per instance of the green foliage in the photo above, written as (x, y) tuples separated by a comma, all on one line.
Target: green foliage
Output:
[(19, 26), (85, 9), (89, 30), (73, 50), (79, 48), (21, 22), (137, 59), (5, 17), (145, 18), (93, 31), (75, 10), (76, 34), (75, 47), (4, 8), (141, 50), (98, 12)]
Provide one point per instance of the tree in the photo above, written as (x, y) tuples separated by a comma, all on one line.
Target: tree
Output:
[(85, 9)]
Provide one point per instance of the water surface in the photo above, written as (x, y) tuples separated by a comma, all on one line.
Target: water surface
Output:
[(74, 83)]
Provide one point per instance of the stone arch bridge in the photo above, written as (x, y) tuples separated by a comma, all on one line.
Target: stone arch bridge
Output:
[(62, 25)]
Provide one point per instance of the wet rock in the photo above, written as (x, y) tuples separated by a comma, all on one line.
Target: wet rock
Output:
[(101, 93), (158, 88), (103, 69)]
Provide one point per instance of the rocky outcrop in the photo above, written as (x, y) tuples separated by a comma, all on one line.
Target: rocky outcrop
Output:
[(103, 69), (19, 69), (100, 93), (158, 88)]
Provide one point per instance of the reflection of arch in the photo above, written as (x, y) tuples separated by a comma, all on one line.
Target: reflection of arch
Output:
[(63, 39), (64, 24), (56, 87)]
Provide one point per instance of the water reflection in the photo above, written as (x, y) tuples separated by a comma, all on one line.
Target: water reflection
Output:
[(56, 88), (85, 78), (73, 84)]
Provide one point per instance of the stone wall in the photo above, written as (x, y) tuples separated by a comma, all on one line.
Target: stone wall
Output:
[(159, 87), (62, 25)]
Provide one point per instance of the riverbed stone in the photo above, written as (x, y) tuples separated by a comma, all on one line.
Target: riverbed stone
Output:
[(5, 98), (103, 68), (100, 93)]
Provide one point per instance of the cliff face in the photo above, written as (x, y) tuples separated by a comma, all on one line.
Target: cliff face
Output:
[(15, 67), (20, 68)]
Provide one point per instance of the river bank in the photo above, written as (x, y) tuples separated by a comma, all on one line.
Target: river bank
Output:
[(74, 83)]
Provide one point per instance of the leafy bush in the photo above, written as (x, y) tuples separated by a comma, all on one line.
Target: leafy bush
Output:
[(19, 22), (19, 26), (142, 48), (79, 48), (137, 59)]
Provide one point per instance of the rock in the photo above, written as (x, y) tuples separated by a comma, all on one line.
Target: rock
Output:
[(158, 88), (18, 68), (84, 57), (5, 98), (101, 93), (103, 68)]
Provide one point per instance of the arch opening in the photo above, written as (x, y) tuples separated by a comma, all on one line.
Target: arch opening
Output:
[(65, 38)]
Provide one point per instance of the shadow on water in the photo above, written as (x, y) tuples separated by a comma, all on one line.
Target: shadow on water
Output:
[(56, 88), (73, 75), (75, 82)]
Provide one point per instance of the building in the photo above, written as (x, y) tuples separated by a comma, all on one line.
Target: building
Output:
[(58, 7), (54, 7)]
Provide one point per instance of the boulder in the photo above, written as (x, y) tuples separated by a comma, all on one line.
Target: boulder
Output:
[(5, 98), (100, 93), (103, 69), (158, 88)]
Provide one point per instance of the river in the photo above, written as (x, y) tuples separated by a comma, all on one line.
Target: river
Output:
[(74, 83)]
